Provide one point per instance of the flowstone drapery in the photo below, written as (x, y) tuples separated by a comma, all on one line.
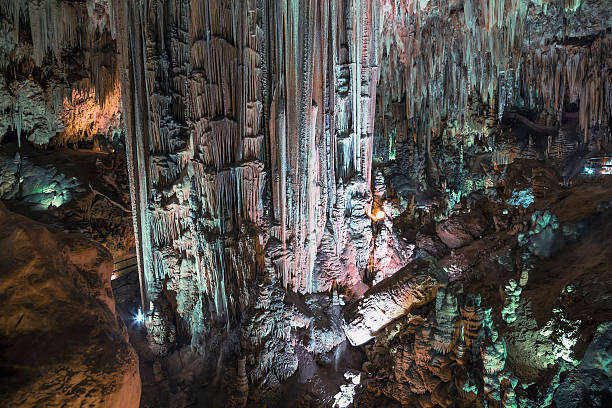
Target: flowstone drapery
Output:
[(250, 131), (251, 126)]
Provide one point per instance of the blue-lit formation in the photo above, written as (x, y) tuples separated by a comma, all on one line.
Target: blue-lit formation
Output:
[(139, 317)]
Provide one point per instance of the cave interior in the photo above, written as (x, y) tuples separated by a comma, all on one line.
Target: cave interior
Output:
[(306, 203)]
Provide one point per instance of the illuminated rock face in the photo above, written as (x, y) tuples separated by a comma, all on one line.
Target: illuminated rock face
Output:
[(444, 357), (252, 129), (250, 144), (412, 286), (40, 186), (63, 343), (248, 137), (590, 383), (57, 50), (257, 143)]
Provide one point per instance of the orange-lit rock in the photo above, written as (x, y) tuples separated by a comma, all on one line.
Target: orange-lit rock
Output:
[(62, 344), (84, 117)]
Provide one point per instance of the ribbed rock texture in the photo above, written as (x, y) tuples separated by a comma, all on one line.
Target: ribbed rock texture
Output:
[(59, 83), (253, 128), (414, 285), (324, 148), (248, 140), (62, 342), (244, 130), (453, 356)]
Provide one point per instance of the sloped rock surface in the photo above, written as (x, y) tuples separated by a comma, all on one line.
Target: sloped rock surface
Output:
[(589, 384), (62, 343), (414, 285)]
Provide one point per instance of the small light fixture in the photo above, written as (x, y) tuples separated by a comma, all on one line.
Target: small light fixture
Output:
[(380, 214), (588, 170), (139, 317)]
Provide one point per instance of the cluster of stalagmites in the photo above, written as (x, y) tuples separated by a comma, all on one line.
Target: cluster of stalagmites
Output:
[(275, 332), (266, 337), (449, 353)]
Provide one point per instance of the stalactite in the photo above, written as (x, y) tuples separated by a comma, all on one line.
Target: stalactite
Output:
[(222, 104), (57, 25), (576, 74), (487, 49)]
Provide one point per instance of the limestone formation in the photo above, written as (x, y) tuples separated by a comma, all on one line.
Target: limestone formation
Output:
[(512, 292), (63, 343), (414, 285), (294, 171), (458, 232)]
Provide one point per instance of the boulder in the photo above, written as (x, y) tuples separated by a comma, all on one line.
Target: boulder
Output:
[(414, 285), (61, 342), (460, 231), (588, 385)]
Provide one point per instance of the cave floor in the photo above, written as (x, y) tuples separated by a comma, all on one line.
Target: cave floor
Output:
[(583, 264)]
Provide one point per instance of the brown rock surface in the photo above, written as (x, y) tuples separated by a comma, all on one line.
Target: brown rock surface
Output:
[(413, 285), (61, 342), (460, 231)]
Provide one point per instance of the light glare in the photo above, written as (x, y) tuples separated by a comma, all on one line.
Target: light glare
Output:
[(139, 317)]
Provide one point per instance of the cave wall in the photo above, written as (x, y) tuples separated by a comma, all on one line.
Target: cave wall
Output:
[(250, 135), (262, 136), (253, 127), (451, 72), (59, 83)]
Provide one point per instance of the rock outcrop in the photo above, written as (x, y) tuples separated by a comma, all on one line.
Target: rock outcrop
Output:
[(589, 383), (460, 231), (414, 285), (62, 344)]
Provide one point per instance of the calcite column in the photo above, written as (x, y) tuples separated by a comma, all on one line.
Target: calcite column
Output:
[(324, 94), (227, 146), (153, 47), (245, 120), (127, 24)]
